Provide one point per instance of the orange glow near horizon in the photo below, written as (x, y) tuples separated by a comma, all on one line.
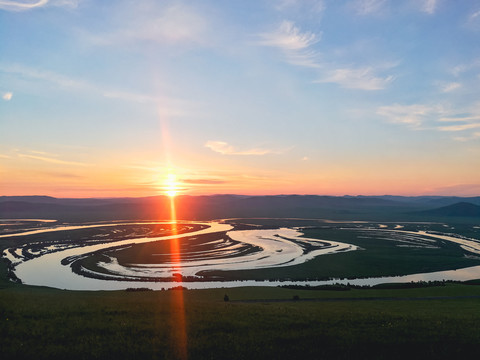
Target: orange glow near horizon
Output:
[(112, 180), (171, 187), (178, 321)]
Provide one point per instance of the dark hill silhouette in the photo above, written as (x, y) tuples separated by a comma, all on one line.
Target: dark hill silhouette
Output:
[(463, 209), (30, 199), (232, 206)]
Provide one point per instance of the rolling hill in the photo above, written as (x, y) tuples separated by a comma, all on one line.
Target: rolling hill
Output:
[(460, 209)]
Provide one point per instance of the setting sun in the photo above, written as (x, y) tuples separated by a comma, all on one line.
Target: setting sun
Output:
[(171, 186)]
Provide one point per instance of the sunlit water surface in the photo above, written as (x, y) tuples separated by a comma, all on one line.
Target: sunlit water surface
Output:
[(277, 250)]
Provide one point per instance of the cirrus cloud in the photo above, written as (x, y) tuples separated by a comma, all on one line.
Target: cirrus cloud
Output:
[(298, 48), (361, 78), (11, 5), (412, 115), (176, 24), (449, 87), (226, 149), (429, 6), (295, 44), (288, 37), (460, 127), (21, 5), (367, 7), (40, 157), (203, 181), (168, 106), (434, 117)]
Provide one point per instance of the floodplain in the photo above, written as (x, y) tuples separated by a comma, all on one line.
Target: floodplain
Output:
[(163, 254), (320, 307)]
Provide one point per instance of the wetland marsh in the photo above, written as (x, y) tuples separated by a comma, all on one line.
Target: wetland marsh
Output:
[(236, 252)]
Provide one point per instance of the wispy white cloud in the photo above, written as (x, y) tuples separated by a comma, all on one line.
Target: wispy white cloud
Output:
[(429, 6), (49, 76), (474, 16), (50, 160), (474, 136), (298, 49), (175, 24), (59, 175), (382, 7), (307, 59), (411, 115), (129, 96), (434, 118), (201, 182), (227, 149), (472, 21), (288, 37), (167, 105), (466, 123), (66, 3), (21, 5), (451, 87), (7, 96), (284, 4), (42, 153), (11, 5), (306, 6), (459, 127), (459, 118), (295, 44), (4, 156), (368, 7), (357, 78), (465, 67), (458, 69)]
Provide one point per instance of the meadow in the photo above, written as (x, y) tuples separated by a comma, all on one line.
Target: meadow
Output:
[(42, 323)]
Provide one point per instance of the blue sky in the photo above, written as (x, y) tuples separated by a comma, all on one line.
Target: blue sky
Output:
[(111, 98)]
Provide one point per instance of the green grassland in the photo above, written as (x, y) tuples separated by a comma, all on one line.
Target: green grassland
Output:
[(42, 323)]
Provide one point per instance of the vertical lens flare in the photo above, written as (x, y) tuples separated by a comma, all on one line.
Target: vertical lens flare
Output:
[(171, 188), (179, 330)]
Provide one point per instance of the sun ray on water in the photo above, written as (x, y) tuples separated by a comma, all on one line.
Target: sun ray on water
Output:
[(179, 331)]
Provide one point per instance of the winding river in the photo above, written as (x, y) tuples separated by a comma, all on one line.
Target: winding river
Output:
[(280, 247)]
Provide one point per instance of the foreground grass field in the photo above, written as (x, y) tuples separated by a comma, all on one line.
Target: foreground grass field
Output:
[(42, 323)]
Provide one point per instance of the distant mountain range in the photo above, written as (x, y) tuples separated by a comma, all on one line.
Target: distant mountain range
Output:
[(231, 206), (463, 209)]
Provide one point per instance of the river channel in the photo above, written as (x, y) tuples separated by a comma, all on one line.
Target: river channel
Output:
[(277, 250)]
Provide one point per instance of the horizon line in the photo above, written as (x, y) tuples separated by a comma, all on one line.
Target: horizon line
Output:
[(241, 195)]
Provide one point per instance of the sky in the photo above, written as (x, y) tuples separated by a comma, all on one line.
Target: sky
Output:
[(136, 97)]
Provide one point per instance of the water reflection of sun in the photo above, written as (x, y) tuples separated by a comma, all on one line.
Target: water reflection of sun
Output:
[(179, 329)]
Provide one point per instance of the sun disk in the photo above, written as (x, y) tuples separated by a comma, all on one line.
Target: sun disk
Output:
[(171, 185)]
